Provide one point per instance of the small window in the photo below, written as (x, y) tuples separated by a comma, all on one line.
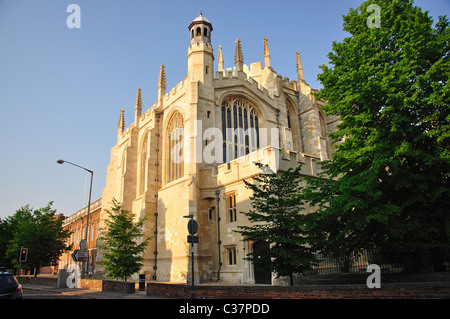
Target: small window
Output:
[(199, 31), (231, 208), (206, 69), (205, 32), (231, 255), (211, 213), (288, 119), (192, 36)]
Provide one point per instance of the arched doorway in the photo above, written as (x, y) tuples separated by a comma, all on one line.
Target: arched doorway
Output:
[(262, 276)]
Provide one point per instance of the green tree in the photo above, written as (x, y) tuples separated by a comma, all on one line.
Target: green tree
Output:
[(5, 236), (388, 182), (121, 251), (278, 218), (40, 231)]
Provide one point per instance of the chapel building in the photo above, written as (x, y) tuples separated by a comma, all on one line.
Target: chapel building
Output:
[(189, 153)]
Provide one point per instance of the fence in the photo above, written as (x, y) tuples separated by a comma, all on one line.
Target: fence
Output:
[(404, 261)]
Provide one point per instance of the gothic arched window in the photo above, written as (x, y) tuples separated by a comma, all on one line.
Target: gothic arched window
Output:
[(175, 148), (293, 125), (324, 140), (143, 162), (240, 128)]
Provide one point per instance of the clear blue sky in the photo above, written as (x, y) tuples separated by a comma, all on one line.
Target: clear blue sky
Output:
[(61, 89)]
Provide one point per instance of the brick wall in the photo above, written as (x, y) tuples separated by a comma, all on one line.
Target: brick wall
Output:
[(389, 290)]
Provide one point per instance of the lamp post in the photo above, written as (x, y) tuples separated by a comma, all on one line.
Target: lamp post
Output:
[(86, 263)]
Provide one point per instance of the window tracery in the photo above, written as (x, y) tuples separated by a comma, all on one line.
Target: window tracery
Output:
[(240, 128), (175, 167)]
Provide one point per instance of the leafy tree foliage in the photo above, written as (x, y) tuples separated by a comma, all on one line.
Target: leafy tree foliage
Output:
[(388, 183), (278, 218), (121, 251), (38, 230)]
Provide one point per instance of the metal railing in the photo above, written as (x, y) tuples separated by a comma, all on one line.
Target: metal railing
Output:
[(402, 261)]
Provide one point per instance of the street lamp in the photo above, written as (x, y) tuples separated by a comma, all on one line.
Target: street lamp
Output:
[(86, 263)]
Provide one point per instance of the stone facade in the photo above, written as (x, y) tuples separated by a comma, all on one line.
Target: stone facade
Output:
[(177, 158)]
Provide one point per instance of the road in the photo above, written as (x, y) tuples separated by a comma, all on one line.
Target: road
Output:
[(46, 294), (41, 292)]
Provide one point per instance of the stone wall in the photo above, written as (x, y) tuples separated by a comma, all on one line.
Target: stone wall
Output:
[(125, 287), (438, 290), (92, 284), (41, 281)]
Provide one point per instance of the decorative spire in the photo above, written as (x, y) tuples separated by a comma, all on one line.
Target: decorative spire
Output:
[(162, 78), (121, 125), (220, 58), (299, 67), (138, 105), (239, 56), (266, 53), (162, 82)]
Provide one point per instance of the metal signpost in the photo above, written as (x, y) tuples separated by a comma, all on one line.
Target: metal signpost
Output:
[(192, 228), (80, 255), (83, 253)]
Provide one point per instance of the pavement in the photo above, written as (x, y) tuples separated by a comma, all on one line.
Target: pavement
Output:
[(86, 293)]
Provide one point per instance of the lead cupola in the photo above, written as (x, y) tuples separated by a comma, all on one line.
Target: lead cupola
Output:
[(200, 30)]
